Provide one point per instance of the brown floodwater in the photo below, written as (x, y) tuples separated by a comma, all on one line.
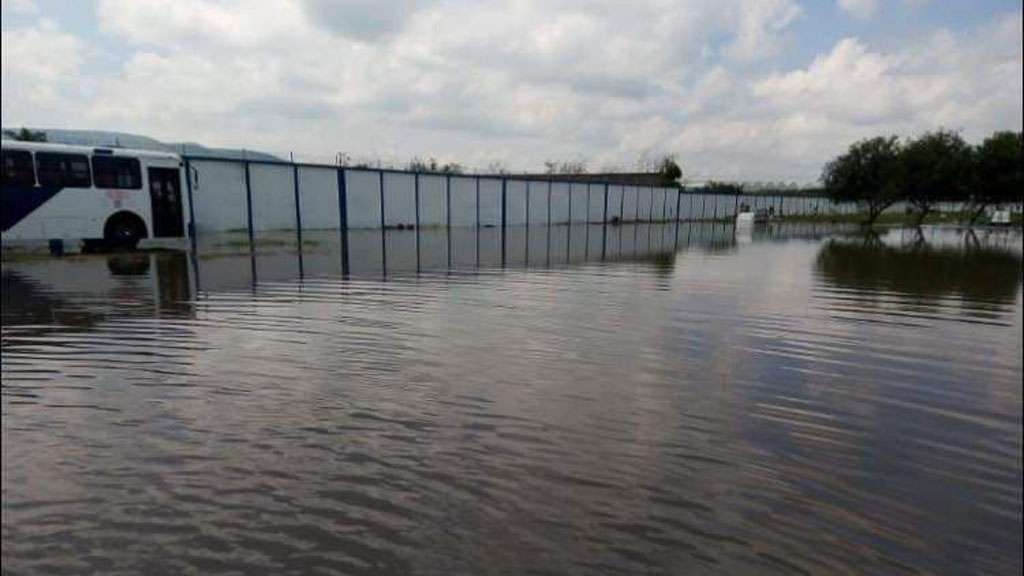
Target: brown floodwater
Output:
[(632, 399)]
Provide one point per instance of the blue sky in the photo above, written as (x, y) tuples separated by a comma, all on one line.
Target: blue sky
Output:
[(737, 89)]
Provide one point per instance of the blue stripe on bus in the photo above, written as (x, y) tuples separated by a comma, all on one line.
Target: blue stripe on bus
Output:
[(17, 202)]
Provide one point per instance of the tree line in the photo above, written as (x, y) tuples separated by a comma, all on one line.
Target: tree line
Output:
[(665, 166), (938, 166)]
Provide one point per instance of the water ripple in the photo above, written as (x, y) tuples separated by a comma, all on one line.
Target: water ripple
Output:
[(808, 404)]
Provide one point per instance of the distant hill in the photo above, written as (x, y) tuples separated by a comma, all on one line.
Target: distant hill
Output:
[(104, 139)]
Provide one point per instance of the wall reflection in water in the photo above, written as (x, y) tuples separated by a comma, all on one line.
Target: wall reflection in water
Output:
[(80, 290)]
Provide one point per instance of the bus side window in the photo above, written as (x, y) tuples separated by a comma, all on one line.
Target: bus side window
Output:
[(116, 172), (70, 170), (18, 168)]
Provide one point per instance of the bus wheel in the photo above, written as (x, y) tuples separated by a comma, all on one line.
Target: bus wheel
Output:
[(124, 230)]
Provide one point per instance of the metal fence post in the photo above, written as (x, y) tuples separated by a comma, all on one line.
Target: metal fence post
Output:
[(248, 205), (504, 219), (343, 219), (416, 200), (383, 225), (448, 216), (604, 217), (380, 187), (191, 205), (528, 194), (298, 206), (549, 204), (570, 203)]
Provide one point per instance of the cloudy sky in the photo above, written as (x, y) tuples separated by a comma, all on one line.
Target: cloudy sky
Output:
[(738, 89)]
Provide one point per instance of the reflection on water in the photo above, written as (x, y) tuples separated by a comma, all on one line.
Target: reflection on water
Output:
[(970, 271), (804, 400)]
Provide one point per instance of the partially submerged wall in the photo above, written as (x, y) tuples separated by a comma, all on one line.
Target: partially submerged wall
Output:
[(264, 196)]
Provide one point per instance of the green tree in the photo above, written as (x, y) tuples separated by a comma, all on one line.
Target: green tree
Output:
[(497, 167), (999, 171), (869, 173), (670, 171), (452, 168), (714, 187), (936, 167), (570, 167), (26, 135)]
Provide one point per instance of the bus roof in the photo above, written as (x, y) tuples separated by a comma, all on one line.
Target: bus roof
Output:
[(94, 150)]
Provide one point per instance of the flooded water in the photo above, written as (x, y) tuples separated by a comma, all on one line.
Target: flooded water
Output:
[(641, 399)]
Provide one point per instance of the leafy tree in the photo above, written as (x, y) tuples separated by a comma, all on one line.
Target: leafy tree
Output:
[(723, 188), (936, 167), (451, 168), (869, 173), (999, 171), (497, 167), (417, 164), (26, 135), (571, 167), (670, 171)]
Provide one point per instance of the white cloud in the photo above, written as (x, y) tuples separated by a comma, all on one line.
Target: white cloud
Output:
[(859, 8), (971, 81), (243, 24), (522, 80), (20, 6), (760, 24), (41, 72)]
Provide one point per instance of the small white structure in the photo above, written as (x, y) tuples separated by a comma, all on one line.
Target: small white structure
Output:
[(758, 216), (1001, 218)]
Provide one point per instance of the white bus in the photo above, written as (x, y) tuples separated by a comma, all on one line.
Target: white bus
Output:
[(67, 197)]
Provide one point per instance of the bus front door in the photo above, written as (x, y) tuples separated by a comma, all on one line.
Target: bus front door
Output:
[(165, 195)]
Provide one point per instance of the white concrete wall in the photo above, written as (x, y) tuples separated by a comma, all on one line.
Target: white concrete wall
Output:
[(657, 205), (220, 200), (273, 197), (399, 199), (595, 209), (672, 200), (219, 196), (559, 203), (538, 197), (515, 203), (629, 203), (579, 200), (614, 202), (318, 198), (463, 202), (686, 206), (362, 188), (645, 207), (433, 200), (490, 203)]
